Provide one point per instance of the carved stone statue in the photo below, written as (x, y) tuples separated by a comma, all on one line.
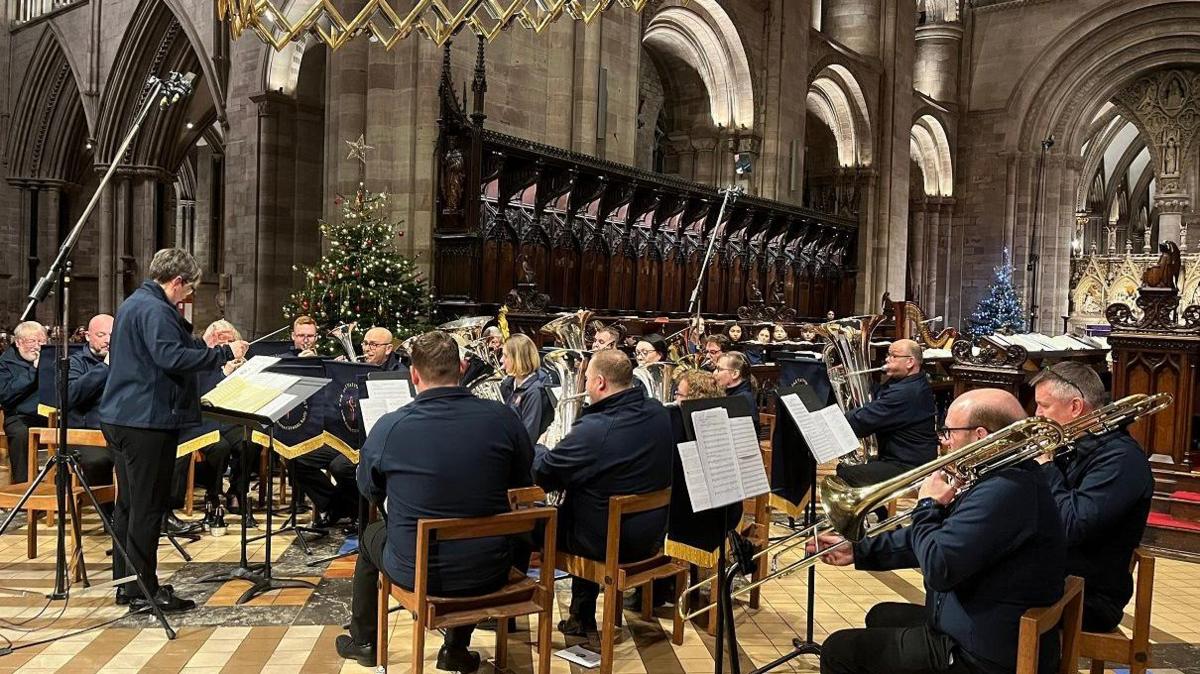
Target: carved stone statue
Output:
[(1165, 274)]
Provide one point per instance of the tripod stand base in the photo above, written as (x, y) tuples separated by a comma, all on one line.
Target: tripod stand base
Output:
[(264, 585), (250, 573)]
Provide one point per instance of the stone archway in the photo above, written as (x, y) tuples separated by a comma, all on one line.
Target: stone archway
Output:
[(837, 99), (929, 214)]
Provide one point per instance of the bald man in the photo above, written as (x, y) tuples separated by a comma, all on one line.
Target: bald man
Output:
[(901, 417), (986, 555), (86, 378), (326, 476)]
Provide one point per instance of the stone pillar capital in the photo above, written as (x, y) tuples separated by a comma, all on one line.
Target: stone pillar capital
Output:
[(1172, 203), (271, 103)]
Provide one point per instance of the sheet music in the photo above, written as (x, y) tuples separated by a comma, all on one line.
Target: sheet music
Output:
[(693, 475), (815, 429), (275, 408), (390, 389), (254, 366), (239, 393), (839, 429), (749, 457), (714, 441)]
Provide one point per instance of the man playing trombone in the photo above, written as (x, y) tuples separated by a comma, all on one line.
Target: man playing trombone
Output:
[(901, 417), (986, 557)]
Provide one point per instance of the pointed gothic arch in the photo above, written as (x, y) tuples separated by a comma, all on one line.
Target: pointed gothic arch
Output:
[(49, 131)]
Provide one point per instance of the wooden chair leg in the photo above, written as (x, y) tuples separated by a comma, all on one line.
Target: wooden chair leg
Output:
[(681, 580), (1097, 667), (608, 633), (418, 646), (501, 643), (381, 622), (760, 572), (648, 601), (713, 589), (545, 636)]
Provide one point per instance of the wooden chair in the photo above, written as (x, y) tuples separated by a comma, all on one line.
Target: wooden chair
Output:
[(615, 578), (44, 500), (1114, 646), (1067, 612), (521, 596)]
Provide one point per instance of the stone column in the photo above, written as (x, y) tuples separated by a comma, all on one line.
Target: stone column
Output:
[(855, 24), (126, 280), (273, 213), (935, 72), (943, 218), (780, 176), (106, 266), (916, 249), (1170, 215)]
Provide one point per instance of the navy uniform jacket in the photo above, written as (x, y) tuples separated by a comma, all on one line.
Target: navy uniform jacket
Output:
[(996, 551), (1103, 492), (745, 390), (153, 360), (902, 418), (85, 388), (623, 444), (531, 401), (394, 363), (18, 384), (445, 454)]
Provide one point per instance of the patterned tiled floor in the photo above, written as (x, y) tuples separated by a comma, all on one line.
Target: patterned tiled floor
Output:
[(293, 630)]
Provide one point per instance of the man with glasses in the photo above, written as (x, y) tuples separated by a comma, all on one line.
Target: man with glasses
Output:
[(304, 337), (150, 395), (986, 555), (325, 475), (19, 394), (1103, 488), (714, 346), (901, 417)]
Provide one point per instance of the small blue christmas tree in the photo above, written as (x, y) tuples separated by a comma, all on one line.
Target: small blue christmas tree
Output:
[(1000, 309)]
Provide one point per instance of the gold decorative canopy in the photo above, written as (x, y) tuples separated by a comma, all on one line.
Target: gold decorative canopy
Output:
[(390, 21)]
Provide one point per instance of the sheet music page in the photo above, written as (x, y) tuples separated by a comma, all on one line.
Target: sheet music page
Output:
[(254, 366), (693, 475), (839, 429), (240, 394), (372, 409), (390, 389), (714, 441), (281, 401), (816, 432), (749, 456)]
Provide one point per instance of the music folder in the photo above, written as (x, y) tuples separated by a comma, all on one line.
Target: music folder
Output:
[(824, 427), (386, 392), (256, 393), (722, 463)]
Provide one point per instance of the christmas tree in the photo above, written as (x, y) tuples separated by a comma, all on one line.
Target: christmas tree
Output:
[(362, 279), (1000, 309)]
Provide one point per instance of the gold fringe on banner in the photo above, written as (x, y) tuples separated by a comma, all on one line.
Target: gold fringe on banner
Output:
[(291, 451), (208, 439), (793, 510), (703, 558)]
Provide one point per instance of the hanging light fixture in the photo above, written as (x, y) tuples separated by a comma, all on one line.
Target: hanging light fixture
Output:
[(387, 22)]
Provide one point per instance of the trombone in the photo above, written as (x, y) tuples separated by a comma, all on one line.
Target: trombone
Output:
[(846, 508)]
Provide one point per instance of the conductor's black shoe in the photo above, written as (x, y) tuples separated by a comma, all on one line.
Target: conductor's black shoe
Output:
[(177, 527), (122, 597), (364, 654), (167, 600), (572, 627), (457, 659)]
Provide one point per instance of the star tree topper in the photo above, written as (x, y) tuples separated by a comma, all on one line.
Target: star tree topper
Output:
[(359, 149)]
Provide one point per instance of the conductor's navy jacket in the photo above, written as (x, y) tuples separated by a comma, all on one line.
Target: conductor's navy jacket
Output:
[(621, 445), (995, 552), (902, 419), (445, 454), (153, 361)]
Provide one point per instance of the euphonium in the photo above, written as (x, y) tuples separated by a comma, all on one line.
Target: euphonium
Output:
[(342, 334), (848, 362), (658, 379), (569, 330), (468, 332)]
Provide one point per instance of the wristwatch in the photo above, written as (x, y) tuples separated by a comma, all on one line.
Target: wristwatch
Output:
[(927, 503)]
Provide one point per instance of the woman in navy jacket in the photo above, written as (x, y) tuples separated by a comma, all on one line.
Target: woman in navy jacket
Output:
[(526, 389)]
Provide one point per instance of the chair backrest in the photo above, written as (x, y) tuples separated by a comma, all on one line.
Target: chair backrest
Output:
[(1143, 596), (1067, 612), (84, 437), (623, 505), (466, 528)]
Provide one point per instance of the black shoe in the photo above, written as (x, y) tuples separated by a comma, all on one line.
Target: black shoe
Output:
[(122, 598), (457, 660), (363, 653), (489, 625), (167, 600), (572, 627), (251, 522), (177, 527)]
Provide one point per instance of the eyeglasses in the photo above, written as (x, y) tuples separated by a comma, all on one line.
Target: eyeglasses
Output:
[(712, 352), (643, 352), (945, 431), (32, 340), (375, 345), (898, 355)]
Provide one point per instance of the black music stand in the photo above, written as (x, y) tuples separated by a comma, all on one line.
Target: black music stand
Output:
[(260, 575)]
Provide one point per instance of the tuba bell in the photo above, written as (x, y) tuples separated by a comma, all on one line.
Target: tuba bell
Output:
[(342, 334), (468, 332), (659, 380), (848, 362), (570, 330)]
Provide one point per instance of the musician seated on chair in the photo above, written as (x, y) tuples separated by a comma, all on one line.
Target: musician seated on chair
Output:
[(479, 367), (445, 454), (901, 417), (526, 389), (325, 475), (606, 338), (304, 337), (621, 444), (714, 346), (1103, 489), (733, 373), (19, 394), (987, 556), (86, 377)]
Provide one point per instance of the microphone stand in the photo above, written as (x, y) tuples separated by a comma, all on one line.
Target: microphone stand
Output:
[(65, 461), (731, 195)]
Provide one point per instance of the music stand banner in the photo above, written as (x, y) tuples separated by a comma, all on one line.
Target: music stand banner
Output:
[(47, 377), (792, 468)]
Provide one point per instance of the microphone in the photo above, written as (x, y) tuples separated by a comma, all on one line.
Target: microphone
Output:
[(175, 87)]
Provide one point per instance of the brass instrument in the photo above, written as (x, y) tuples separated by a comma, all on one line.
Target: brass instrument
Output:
[(342, 334), (469, 333), (570, 330), (846, 508), (659, 380), (848, 361)]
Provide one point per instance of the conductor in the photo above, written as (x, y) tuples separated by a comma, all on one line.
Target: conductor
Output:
[(150, 395)]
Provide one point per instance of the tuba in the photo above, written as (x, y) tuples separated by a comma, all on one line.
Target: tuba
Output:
[(848, 362), (570, 330), (468, 332), (659, 380)]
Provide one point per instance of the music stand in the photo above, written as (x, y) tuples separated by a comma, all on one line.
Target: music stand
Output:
[(260, 575)]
